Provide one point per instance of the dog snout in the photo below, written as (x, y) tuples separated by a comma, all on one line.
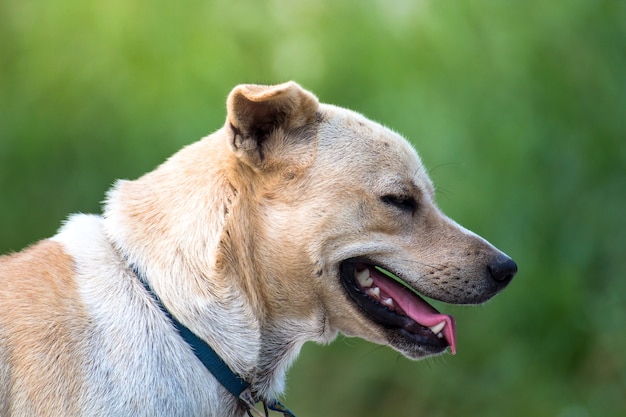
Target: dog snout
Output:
[(502, 269)]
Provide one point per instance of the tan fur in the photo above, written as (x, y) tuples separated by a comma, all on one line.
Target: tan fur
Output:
[(43, 323), (246, 237)]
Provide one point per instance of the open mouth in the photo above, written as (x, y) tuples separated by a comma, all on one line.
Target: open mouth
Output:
[(394, 305)]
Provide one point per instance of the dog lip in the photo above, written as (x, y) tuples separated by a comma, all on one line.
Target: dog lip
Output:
[(412, 317)]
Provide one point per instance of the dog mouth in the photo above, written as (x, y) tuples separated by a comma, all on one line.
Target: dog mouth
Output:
[(391, 303)]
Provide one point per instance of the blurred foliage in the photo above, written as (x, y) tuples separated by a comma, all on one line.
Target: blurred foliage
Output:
[(517, 108)]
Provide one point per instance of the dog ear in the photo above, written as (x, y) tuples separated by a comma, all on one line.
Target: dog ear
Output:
[(255, 112)]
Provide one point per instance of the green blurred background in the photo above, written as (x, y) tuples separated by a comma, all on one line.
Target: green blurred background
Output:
[(518, 109)]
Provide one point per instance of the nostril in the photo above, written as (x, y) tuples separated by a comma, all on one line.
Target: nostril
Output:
[(502, 269)]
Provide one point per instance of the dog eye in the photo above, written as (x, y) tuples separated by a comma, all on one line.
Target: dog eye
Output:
[(403, 202)]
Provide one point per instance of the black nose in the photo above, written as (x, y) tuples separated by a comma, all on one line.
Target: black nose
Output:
[(502, 269)]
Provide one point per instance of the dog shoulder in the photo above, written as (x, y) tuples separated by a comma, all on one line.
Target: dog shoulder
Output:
[(39, 327)]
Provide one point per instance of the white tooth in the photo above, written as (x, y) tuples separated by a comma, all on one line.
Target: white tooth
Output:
[(439, 335), (364, 278), (388, 302), (374, 292), (438, 328)]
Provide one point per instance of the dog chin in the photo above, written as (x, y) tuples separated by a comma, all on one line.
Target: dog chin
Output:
[(409, 324)]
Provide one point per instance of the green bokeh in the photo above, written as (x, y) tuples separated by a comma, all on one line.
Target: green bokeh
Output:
[(518, 109)]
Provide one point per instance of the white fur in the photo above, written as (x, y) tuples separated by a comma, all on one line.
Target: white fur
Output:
[(133, 348)]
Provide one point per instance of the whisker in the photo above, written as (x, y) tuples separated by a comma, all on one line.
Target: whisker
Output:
[(443, 164), (374, 349)]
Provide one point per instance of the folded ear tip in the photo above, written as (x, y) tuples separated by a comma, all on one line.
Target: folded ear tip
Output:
[(288, 96), (260, 92)]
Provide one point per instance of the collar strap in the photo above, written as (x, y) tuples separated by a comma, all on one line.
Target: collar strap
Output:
[(236, 385)]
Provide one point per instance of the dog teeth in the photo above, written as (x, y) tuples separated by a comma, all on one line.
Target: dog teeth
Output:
[(388, 302), (364, 278), (374, 292), (436, 329)]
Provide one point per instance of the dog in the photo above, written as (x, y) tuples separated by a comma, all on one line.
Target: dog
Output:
[(294, 222)]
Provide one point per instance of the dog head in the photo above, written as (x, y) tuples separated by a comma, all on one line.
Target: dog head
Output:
[(345, 222)]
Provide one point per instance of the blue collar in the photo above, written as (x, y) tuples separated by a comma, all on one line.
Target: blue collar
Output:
[(236, 385)]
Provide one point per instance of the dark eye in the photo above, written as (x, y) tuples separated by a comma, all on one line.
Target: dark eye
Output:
[(403, 202)]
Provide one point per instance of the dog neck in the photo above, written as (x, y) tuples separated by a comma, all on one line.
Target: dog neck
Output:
[(236, 385), (178, 235)]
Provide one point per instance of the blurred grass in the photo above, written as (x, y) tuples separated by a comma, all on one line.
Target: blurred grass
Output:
[(517, 108)]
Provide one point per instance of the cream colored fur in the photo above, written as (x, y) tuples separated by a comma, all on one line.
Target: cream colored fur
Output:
[(241, 235)]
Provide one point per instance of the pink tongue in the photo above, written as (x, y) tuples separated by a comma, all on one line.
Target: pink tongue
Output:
[(416, 308)]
